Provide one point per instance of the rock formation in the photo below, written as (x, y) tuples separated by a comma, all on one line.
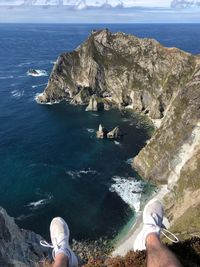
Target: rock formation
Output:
[(114, 134), (95, 104), (18, 247), (164, 83), (121, 70), (102, 132)]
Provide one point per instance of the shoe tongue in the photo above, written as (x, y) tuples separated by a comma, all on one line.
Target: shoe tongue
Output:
[(157, 219), (61, 242)]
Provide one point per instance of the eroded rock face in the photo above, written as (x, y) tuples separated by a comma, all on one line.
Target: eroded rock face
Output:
[(18, 247), (122, 70), (172, 157), (172, 144)]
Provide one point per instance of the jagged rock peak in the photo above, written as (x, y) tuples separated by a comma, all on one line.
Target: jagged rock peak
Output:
[(120, 70)]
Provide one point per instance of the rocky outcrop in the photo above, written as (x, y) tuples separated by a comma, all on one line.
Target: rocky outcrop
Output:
[(114, 134), (18, 247), (163, 83), (102, 132), (120, 70), (95, 104)]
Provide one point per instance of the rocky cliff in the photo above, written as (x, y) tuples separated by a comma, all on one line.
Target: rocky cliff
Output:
[(18, 247), (164, 83), (120, 70)]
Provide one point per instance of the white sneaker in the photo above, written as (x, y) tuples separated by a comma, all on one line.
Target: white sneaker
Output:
[(59, 232), (152, 223)]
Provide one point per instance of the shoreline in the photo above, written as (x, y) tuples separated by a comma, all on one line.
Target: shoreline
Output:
[(125, 244)]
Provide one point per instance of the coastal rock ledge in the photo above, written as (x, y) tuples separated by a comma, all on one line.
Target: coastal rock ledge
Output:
[(118, 70)]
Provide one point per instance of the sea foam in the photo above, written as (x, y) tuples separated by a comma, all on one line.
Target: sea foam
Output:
[(90, 130), (78, 174), (117, 143), (38, 85), (129, 189), (6, 77), (38, 74), (17, 93), (40, 203)]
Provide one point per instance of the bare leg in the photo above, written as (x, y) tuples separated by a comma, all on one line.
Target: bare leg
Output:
[(61, 260), (158, 255)]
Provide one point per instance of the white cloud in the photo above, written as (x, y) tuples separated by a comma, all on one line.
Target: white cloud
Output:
[(97, 3)]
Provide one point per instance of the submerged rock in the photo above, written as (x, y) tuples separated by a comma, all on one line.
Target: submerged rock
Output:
[(33, 72)]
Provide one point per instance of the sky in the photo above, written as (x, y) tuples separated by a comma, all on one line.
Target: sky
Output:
[(89, 11)]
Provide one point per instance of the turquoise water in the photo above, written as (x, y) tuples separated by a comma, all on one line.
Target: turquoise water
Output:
[(51, 163)]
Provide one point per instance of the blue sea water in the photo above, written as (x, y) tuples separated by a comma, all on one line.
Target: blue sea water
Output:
[(51, 163)]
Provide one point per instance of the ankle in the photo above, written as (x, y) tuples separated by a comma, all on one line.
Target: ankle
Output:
[(61, 260), (152, 239)]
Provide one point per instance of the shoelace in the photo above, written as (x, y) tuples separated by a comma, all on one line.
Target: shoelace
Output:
[(163, 229), (48, 245)]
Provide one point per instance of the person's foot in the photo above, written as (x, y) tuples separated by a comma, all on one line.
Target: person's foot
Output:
[(59, 233), (152, 223)]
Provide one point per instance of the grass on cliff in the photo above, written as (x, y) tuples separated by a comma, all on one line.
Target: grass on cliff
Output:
[(187, 251)]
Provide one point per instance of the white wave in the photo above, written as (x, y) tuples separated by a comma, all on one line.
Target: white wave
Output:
[(13, 84), (38, 73), (117, 143), (129, 189), (90, 130), (21, 76), (95, 115), (23, 217), (53, 62), (78, 174), (33, 62), (17, 93), (129, 161), (6, 77), (40, 203), (38, 85), (24, 64), (125, 120), (47, 103)]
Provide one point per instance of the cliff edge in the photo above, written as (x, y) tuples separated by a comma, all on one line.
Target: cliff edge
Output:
[(18, 247), (164, 83)]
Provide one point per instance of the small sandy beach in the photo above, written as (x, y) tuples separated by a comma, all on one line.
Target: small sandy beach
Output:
[(126, 243)]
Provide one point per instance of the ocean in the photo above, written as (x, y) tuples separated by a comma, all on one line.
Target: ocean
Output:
[(51, 163)]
